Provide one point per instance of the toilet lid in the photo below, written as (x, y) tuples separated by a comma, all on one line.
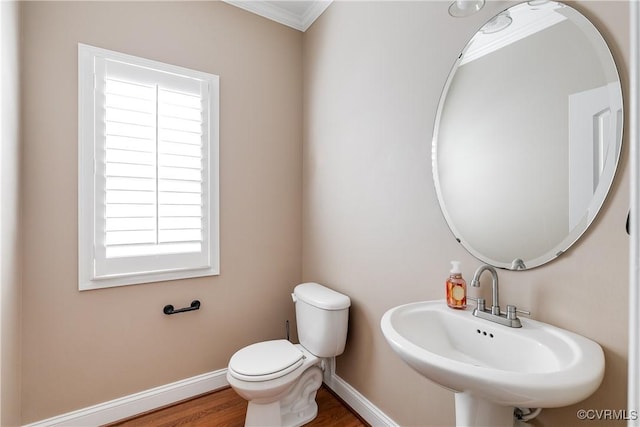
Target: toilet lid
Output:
[(265, 360)]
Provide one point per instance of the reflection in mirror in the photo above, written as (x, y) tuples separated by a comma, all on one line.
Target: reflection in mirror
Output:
[(527, 135)]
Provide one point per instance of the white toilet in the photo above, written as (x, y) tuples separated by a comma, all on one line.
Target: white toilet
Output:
[(280, 379)]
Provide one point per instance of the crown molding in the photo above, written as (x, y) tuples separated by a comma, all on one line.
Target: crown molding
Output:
[(523, 25), (283, 15)]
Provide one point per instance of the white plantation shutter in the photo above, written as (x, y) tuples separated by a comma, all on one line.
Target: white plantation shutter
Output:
[(154, 188)]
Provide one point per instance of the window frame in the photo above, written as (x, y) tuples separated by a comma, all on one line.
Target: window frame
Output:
[(91, 150)]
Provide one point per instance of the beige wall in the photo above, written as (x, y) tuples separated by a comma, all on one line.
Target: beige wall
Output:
[(373, 74), (9, 215), (83, 348)]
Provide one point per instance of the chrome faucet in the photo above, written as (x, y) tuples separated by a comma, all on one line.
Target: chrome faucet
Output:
[(475, 282), (510, 318)]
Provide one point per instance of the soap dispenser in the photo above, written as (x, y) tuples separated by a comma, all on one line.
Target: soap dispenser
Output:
[(456, 287)]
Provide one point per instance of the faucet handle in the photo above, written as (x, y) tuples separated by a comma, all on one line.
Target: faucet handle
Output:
[(480, 302), (512, 310)]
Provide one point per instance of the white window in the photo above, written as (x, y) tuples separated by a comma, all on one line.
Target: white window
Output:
[(148, 170)]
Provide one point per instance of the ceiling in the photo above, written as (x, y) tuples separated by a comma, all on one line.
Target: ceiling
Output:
[(298, 14)]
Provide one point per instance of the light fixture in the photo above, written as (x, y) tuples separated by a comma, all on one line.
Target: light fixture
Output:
[(462, 8), (536, 3), (498, 23)]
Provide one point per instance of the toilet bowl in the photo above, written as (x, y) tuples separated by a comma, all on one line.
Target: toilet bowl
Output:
[(284, 397), (280, 379)]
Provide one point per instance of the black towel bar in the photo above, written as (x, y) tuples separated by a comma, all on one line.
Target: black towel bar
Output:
[(168, 309)]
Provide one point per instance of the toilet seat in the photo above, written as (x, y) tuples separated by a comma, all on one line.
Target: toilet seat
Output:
[(265, 361)]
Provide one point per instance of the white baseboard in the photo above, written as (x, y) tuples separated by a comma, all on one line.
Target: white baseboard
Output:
[(148, 400), (128, 406), (352, 397)]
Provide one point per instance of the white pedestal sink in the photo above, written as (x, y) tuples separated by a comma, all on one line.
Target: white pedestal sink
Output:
[(493, 368)]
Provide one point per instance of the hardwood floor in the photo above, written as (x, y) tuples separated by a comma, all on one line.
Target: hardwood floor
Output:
[(226, 408)]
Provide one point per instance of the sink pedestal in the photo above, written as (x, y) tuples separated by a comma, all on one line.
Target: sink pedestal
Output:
[(473, 411)]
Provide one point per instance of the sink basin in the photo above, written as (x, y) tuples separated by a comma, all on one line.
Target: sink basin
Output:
[(494, 366)]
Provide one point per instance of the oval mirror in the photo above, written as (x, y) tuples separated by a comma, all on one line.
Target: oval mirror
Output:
[(527, 135)]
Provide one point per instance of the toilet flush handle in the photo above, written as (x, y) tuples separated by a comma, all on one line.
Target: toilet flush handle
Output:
[(293, 297)]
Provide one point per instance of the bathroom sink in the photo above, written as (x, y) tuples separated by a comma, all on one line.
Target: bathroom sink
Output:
[(535, 366)]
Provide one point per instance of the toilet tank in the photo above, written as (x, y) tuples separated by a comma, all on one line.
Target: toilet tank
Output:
[(322, 316)]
